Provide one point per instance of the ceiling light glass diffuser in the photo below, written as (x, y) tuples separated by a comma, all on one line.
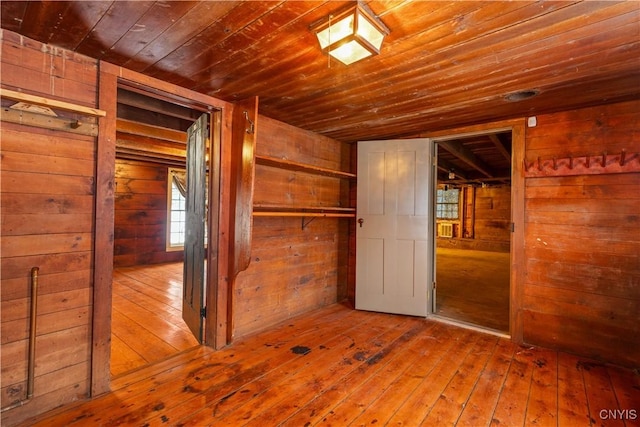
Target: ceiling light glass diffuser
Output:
[(351, 35)]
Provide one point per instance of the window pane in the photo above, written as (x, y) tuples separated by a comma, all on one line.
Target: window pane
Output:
[(177, 216), (447, 203)]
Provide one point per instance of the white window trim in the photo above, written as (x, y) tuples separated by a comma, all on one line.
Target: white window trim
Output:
[(168, 246)]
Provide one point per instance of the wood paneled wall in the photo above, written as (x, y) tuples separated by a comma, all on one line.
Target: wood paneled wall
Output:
[(486, 222), (48, 185), (292, 269), (140, 223), (492, 214), (582, 238)]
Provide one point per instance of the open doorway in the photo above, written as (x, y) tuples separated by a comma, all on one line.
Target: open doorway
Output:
[(473, 229), (149, 223)]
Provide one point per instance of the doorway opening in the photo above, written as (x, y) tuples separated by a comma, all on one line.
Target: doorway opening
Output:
[(149, 222), (473, 225)]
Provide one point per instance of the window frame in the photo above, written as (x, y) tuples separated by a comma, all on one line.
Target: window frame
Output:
[(170, 185), (439, 204)]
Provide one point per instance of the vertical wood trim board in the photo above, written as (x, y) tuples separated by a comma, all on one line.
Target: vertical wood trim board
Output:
[(103, 250)]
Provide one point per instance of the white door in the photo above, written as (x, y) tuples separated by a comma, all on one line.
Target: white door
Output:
[(394, 249)]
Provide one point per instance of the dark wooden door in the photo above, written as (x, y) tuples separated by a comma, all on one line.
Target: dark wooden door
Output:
[(193, 285)]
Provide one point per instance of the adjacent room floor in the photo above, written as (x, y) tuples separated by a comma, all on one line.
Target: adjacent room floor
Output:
[(146, 323), (473, 287), (338, 366)]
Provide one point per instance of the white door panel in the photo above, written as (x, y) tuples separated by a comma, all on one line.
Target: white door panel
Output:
[(394, 253)]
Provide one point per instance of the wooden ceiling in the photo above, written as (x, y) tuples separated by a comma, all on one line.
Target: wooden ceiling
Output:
[(475, 160), (444, 64)]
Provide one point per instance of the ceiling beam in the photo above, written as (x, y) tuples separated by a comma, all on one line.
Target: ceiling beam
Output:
[(495, 138), (143, 102), (460, 151), (142, 129), (446, 167)]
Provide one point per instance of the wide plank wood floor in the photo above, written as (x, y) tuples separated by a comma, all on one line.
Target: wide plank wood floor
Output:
[(146, 324), (338, 366), (473, 287)]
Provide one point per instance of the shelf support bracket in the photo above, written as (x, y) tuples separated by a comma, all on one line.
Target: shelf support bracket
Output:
[(305, 224)]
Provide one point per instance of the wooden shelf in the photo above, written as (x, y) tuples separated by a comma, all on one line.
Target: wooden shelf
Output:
[(301, 167), (307, 211), (312, 212)]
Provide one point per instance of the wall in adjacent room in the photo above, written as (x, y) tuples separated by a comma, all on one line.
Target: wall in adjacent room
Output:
[(140, 225)]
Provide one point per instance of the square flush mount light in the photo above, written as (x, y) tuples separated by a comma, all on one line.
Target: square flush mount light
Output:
[(351, 35)]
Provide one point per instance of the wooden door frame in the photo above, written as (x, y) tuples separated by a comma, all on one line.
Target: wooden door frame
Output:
[(517, 259), (216, 324)]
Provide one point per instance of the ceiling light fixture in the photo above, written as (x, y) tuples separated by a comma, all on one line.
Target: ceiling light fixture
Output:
[(351, 35)]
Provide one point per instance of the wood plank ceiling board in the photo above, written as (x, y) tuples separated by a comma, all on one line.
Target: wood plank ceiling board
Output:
[(282, 47), (121, 17), (212, 47), (76, 22), (459, 68), (197, 17), (443, 65)]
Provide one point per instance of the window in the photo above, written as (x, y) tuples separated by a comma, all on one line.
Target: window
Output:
[(176, 209), (447, 202)]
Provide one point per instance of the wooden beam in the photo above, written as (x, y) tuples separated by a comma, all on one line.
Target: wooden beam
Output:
[(51, 103), (48, 122), (446, 166), (133, 99), (104, 236), (149, 156), (139, 143), (136, 128), (495, 138), (464, 154)]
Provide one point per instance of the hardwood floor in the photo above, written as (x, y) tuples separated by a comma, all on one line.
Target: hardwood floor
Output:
[(473, 287), (147, 324), (338, 366)]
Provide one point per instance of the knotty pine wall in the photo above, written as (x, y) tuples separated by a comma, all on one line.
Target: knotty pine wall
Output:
[(47, 181), (294, 270), (492, 214), (581, 291), (487, 220), (582, 238), (140, 223)]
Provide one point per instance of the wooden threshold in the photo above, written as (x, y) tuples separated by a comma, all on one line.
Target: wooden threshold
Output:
[(339, 366)]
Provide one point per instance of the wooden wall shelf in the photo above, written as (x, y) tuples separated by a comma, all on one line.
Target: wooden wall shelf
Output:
[(311, 212), (301, 167), (306, 211)]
